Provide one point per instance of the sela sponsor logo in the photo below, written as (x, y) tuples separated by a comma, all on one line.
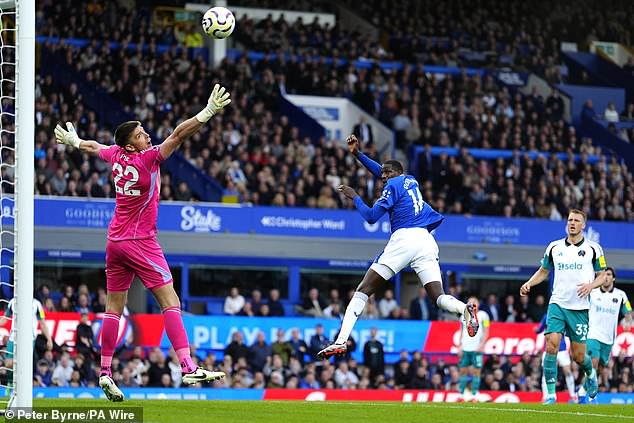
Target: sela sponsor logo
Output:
[(197, 220), (304, 224), (609, 310), (569, 266)]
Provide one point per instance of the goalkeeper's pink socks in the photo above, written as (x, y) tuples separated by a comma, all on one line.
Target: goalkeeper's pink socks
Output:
[(109, 334), (178, 337)]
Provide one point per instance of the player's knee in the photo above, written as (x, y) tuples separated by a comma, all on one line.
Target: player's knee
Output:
[(579, 356), (551, 348)]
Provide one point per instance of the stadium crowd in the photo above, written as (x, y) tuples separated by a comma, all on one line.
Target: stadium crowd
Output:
[(251, 144), (525, 36), (254, 141)]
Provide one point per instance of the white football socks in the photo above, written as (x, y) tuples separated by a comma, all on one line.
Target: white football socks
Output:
[(451, 304), (354, 310), (570, 383)]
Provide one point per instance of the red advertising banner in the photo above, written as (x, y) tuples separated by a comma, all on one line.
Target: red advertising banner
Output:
[(507, 338), (139, 329), (504, 338), (403, 395)]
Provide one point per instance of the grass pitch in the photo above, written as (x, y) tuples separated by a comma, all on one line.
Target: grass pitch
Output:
[(167, 411)]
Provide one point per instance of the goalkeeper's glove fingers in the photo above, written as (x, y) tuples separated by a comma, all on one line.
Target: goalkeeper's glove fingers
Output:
[(218, 100), (67, 137)]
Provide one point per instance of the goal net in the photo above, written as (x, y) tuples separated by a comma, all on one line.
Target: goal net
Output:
[(17, 81)]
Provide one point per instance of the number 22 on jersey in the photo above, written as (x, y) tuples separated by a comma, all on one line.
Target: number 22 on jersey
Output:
[(130, 171)]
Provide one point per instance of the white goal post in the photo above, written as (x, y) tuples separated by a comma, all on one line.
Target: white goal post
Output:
[(21, 38)]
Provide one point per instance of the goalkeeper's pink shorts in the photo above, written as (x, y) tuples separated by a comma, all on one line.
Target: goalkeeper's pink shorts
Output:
[(136, 257)]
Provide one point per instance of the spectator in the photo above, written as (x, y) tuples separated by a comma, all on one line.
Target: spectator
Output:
[(259, 353), (344, 378), (373, 355), (275, 305), (363, 131), (421, 308), (84, 338), (508, 313), (387, 304), (83, 304), (333, 311), (523, 310), (234, 302), (256, 301), (65, 305), (312, 306), (538, 309), (43, 376), (63, 371), (318, 341), (158, 368), (236, 348), (247, 310), (491, 307), (282, 348), (610, 114), (299, 346)]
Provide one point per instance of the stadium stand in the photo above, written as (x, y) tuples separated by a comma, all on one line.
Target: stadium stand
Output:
[(257, 156)]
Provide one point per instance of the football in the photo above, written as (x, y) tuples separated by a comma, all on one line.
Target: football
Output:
[(218, 22)]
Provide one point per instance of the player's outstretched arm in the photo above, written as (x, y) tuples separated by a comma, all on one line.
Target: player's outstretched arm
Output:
[(69, 137), (218, 100), (370, 214), (537, 278), (371, 165)]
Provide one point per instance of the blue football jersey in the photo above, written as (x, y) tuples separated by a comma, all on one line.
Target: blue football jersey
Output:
[(402, 199)]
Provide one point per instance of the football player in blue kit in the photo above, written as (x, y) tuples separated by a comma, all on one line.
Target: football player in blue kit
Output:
[(411, 244)]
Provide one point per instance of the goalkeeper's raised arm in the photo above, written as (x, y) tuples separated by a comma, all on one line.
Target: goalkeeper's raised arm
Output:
[(133, 138), (218, 100)]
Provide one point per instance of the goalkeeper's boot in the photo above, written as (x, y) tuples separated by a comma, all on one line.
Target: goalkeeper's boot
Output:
[(550, 399), (591, 385), (201, 375), (332, 349), (471, 318), (113, 393)]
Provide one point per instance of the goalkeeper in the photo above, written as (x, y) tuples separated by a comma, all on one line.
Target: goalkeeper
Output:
[(132, 248)]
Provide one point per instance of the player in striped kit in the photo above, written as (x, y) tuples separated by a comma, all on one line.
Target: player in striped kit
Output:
[(606, 304), (471, 352), (579, 267)]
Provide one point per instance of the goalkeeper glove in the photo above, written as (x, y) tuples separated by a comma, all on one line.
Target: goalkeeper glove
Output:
[(69, 137), (218, 100)]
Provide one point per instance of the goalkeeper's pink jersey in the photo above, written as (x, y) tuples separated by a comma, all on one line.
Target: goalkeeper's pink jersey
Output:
[(137, 181)]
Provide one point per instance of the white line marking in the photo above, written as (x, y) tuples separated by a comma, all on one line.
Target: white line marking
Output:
[(466, 408), (530, 410)]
